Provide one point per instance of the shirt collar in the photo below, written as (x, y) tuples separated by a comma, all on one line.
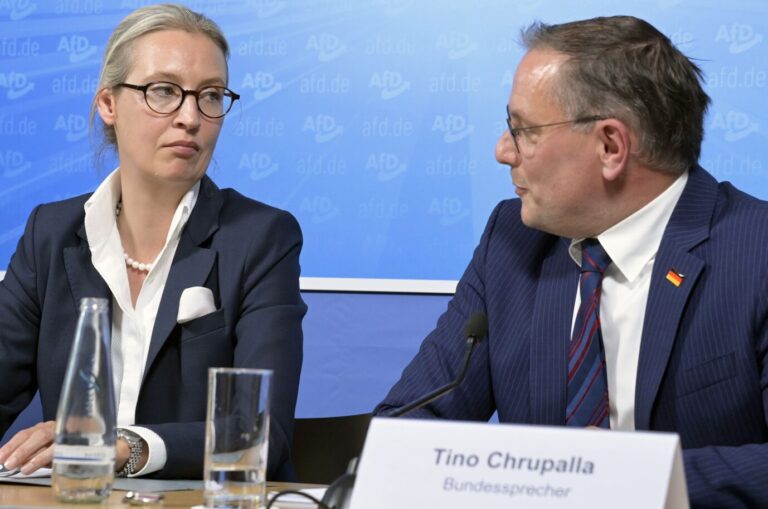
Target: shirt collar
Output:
[(634, 241), (100, 209), (183, 211)]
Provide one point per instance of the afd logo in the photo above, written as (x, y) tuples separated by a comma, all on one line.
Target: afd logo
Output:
[(386, 165), (393, 7), (324, 127), (75, 127), (266, 8), (507, 78), (259, 164), (683, 39), (454, 127), (18, 9), (263, 83), (78, 47), (19, 47), (737, 125), (327, 47), (457, 44), (16, 83), (391, 84), (450, 210), (320, 209), (13, 163), (740, 37)]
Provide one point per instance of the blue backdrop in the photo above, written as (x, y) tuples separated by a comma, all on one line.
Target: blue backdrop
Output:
[(373, 121)]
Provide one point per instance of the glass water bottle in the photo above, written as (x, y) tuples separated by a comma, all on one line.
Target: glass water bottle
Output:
[(84, 450)]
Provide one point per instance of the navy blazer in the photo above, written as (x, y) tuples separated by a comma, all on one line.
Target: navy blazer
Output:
[(703, 366), (246, 252)]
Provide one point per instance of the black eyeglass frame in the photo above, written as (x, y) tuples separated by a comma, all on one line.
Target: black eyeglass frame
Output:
[(515, 131), (184, 93)]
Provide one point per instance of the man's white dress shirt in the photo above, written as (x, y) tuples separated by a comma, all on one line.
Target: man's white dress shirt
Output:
[(632, 245)]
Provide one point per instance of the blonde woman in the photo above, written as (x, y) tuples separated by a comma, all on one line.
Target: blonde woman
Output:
[(197, 276)]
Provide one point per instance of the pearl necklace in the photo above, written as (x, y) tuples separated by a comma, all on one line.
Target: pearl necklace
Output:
[(130, 262)]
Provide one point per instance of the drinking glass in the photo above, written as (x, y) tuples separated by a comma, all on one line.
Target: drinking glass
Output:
[(237, 437)]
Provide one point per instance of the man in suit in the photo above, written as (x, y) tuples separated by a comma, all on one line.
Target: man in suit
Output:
[(605, 126)]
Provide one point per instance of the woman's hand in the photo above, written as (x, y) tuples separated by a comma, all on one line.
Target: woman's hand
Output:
[(30, 448)]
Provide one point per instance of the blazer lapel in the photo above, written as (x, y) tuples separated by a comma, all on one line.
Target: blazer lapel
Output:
[(191, 266), (550, 336), (688, 226), (84, 279)]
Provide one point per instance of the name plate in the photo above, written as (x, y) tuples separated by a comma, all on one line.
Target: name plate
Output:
[(432, 463)]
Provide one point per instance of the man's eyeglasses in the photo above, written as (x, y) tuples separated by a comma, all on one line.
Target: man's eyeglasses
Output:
[(164, 98), (516, 132)]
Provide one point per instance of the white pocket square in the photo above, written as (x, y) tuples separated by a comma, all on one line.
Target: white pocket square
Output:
[(195, 302)]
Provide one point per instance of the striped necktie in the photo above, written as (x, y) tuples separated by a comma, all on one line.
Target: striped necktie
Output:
[(587, 385)]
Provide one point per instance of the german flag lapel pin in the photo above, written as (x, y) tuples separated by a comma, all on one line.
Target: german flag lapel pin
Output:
[(675, 277)]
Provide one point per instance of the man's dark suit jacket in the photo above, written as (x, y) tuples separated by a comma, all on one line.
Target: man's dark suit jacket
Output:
[(247, 253), (703, 367)]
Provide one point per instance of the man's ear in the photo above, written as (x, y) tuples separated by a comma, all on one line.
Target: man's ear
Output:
[(105, 104), (614, 146)]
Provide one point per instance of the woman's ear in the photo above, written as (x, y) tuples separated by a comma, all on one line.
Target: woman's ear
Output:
[(614, 147), (105, 103)]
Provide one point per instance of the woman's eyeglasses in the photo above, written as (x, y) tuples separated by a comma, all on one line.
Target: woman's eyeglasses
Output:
[(165, 97)]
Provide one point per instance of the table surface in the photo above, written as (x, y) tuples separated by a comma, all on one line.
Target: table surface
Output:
[(20, 495)]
